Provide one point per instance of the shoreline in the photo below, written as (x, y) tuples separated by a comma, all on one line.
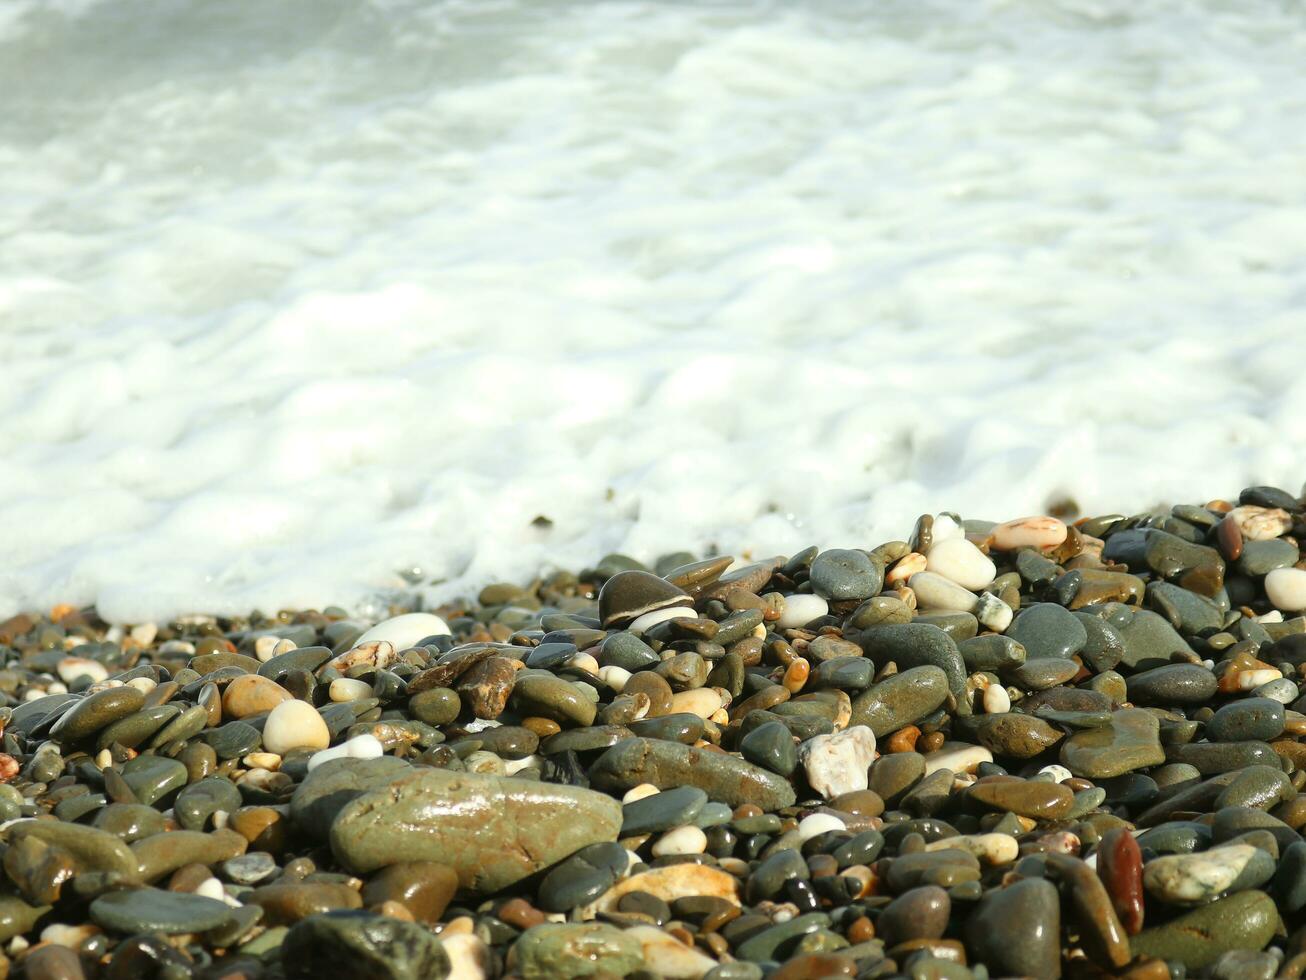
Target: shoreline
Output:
[(984, 749)]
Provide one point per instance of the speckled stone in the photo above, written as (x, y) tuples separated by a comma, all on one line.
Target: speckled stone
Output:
[(725, 778)]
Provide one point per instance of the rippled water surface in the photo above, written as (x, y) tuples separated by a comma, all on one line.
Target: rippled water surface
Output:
[(295, 295)]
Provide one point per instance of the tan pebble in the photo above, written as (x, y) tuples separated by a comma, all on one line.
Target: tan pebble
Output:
[(252, 694), (1028, 532), (295, 725)]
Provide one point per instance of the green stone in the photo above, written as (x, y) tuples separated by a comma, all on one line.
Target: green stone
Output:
[(900, 700), (154, 910), (580, 949), (1130, 741), (914, 645), (1247, 920), (349, 943), (723, 777), (662, 811), (153, 777)]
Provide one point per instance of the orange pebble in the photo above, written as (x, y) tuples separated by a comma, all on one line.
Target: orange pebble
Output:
[(903, 740), (796, 675)]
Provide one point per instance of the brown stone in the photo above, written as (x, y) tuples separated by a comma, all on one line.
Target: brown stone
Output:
[(52, 962), (264, 827), (1100, 931), (520, 914), (284, 904), (1120, 867), (424, 888), (485, 686), (1041, 801), (1229, 539), (816, 966), (252, 694), (656, 687)]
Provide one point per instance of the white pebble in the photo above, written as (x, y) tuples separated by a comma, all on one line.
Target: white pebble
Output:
[(59, 934), (800, 610), (681, 840), (263, 648), (584, 661), (957, 756), (513, 766), (295, 725), (1250, 679), (615, 677), (469, 957), (1286, 588), (1273, 616), (960, 561), (349, 689), (651, 619), (406, 630), (71, 668), (640, 792), (945, 529), (363, 746), (993, 613), (143, 684), (145, 633), (816, 824), (838, 763), (993, 849), (1058, 773), (996, 700), (933, 591), (701, 701), (1282, 690), (1261, 523)]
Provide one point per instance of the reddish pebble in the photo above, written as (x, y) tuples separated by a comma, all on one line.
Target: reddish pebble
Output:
[(1229, 539), (1120, 866), (520, 913)]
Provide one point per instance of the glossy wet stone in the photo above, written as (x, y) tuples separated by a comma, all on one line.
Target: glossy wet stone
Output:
[(671, 808), (1248, 719), (900, 700), (153, 910), (914, 645), (1130, 741), (1246, 920), (575, 950), (843, 574), (1025, 798), (1047, 630), (724, 778), (424, 888), (153, 777), (492, 831), (772, 747), (1015, 930), (1120, 867)]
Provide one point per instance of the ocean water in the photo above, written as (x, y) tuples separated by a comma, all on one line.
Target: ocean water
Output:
[(297, 296)]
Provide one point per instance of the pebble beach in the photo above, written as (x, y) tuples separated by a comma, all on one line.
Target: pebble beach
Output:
[(1027, 748)]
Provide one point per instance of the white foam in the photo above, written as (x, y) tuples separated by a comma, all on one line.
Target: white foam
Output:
[(295, 296)]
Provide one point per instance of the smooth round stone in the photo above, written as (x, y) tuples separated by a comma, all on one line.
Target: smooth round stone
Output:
[(131, 821), (493, 831), (845, 673), (913, 645), (1130, 741), (1257, 786), (631, 594), (1039, 533), (680, 727), (234, 739), (252, 694), (945, 868), (581, 949), (152, 777), (1282, 690), (1014, 735), (1149, 639), (1210, 758), (772, 747), (1195, 879), (197, 803), (1027, 798), (1290, 878), (164, 853), (1247, 920), (403, 632), (154, 910), (1045, 629), (668, 764), (134, 730), (991, 652), (1286, 588), (1251, 719), (800, 609), (1016, 930), (583, 877), (249, 869), (1042, 672), (959, 560), (662, 811), (348, 689), (295, 725), (284, 902), (920, 913), (1262, 557), (359, 944), (423, 887), (843, 574), (437, 706), (680, 840), (902, 699), (96, 711), (627, 651), (546, 696), (769, 877), (1105, 647), (935, 592), (1172, 684)]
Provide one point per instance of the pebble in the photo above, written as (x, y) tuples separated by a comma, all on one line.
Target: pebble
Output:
[(1286, 588), (838, 763), (295, 725), (675, 768)]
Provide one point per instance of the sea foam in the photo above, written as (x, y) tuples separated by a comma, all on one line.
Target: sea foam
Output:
[(296, 297)]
